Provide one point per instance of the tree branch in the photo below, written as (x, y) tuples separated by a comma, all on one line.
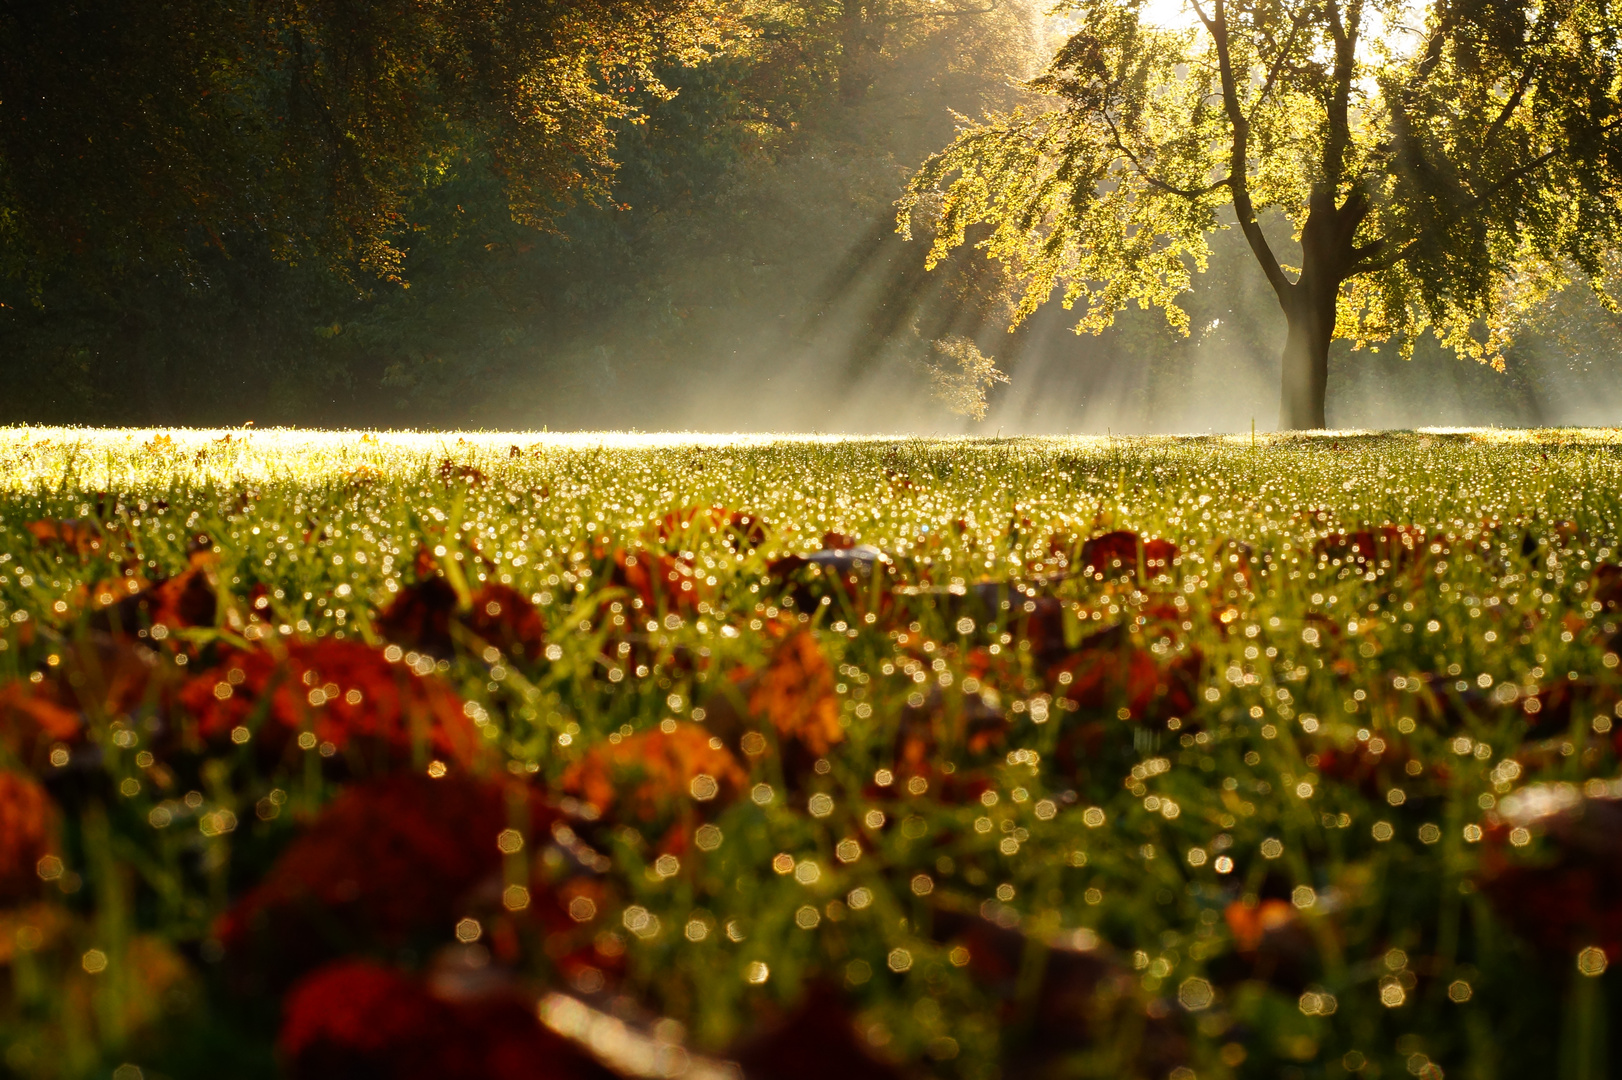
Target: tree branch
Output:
[(1433, 47), (1155, 181), (1216, 24), (1340, 128), (1471, 206), (1279, 62), (1510, 106)]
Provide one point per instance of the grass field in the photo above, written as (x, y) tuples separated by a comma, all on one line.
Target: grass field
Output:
[(1188, 758)]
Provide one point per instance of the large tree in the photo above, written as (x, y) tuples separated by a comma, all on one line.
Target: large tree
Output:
[(1444, 165)]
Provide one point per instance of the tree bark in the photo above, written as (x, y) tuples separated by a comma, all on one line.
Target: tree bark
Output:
[(854, 64), (1306, 364), (1310, 307)]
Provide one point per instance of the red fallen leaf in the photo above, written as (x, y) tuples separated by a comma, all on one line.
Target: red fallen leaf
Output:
[(341, 1015), (342, 692), (1039, 620), (1328, 627), (795, 693), (450, 470), (186, 600), (32, 717), (998, 672), (1566, 896), (1119, 550), (357, 1019), (818, 1040), (651, 776), (961, 787), (974, 727), (1272, 942), (1607, 586), (27, 834), (1231, 564), (117, 675), (422, 615), (386, 862), (1112, 670), (1444, 705), (1085, 997), (974, 723), (976, 730), (661, 582), (742, 530), (1394, 546), (1358, 766), (834, 541), (569, 915), (1060, 548), (1250, 924), (1162, 616), (504, 617), (855, 579), (1159, 554), (110, 591), (103, 676), (79, 537)]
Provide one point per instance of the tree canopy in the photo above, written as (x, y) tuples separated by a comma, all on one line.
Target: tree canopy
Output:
[(133, 135), (741, 178), (1444, 165)]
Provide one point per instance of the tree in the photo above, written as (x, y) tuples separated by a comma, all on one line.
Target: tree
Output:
[(133, 136), (1445, 165)]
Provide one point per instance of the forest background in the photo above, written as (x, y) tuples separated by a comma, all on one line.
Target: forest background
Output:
[(723, 256)]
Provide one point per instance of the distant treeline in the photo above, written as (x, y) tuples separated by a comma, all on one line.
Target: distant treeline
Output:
[(602, 213), (347, 212)]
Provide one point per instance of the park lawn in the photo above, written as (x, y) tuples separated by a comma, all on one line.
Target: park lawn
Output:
[(1224, 756)]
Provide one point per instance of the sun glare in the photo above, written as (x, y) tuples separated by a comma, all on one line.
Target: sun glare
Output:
[(1170, 14), (1396, 27)]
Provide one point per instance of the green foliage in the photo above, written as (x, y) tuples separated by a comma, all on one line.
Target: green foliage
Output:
[(722, 185), (1307, 656), (132, 137), (960, 375), (1445, 166)]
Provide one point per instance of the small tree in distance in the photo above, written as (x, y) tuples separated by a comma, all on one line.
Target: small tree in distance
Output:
[(1445, 164)]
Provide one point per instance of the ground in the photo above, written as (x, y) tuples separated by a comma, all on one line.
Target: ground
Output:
[(1027, 757)]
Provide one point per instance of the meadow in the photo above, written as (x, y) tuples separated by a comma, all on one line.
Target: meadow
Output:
[(530, 755)]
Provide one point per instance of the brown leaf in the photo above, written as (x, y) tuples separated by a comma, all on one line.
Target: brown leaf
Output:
[(795, 692), (650, 776)]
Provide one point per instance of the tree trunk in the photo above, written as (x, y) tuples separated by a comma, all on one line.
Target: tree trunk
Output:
[(858, 42), (1306, 364), (1309, 308)]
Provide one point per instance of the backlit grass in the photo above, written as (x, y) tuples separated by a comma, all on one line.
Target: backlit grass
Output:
[(1294, 796)]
